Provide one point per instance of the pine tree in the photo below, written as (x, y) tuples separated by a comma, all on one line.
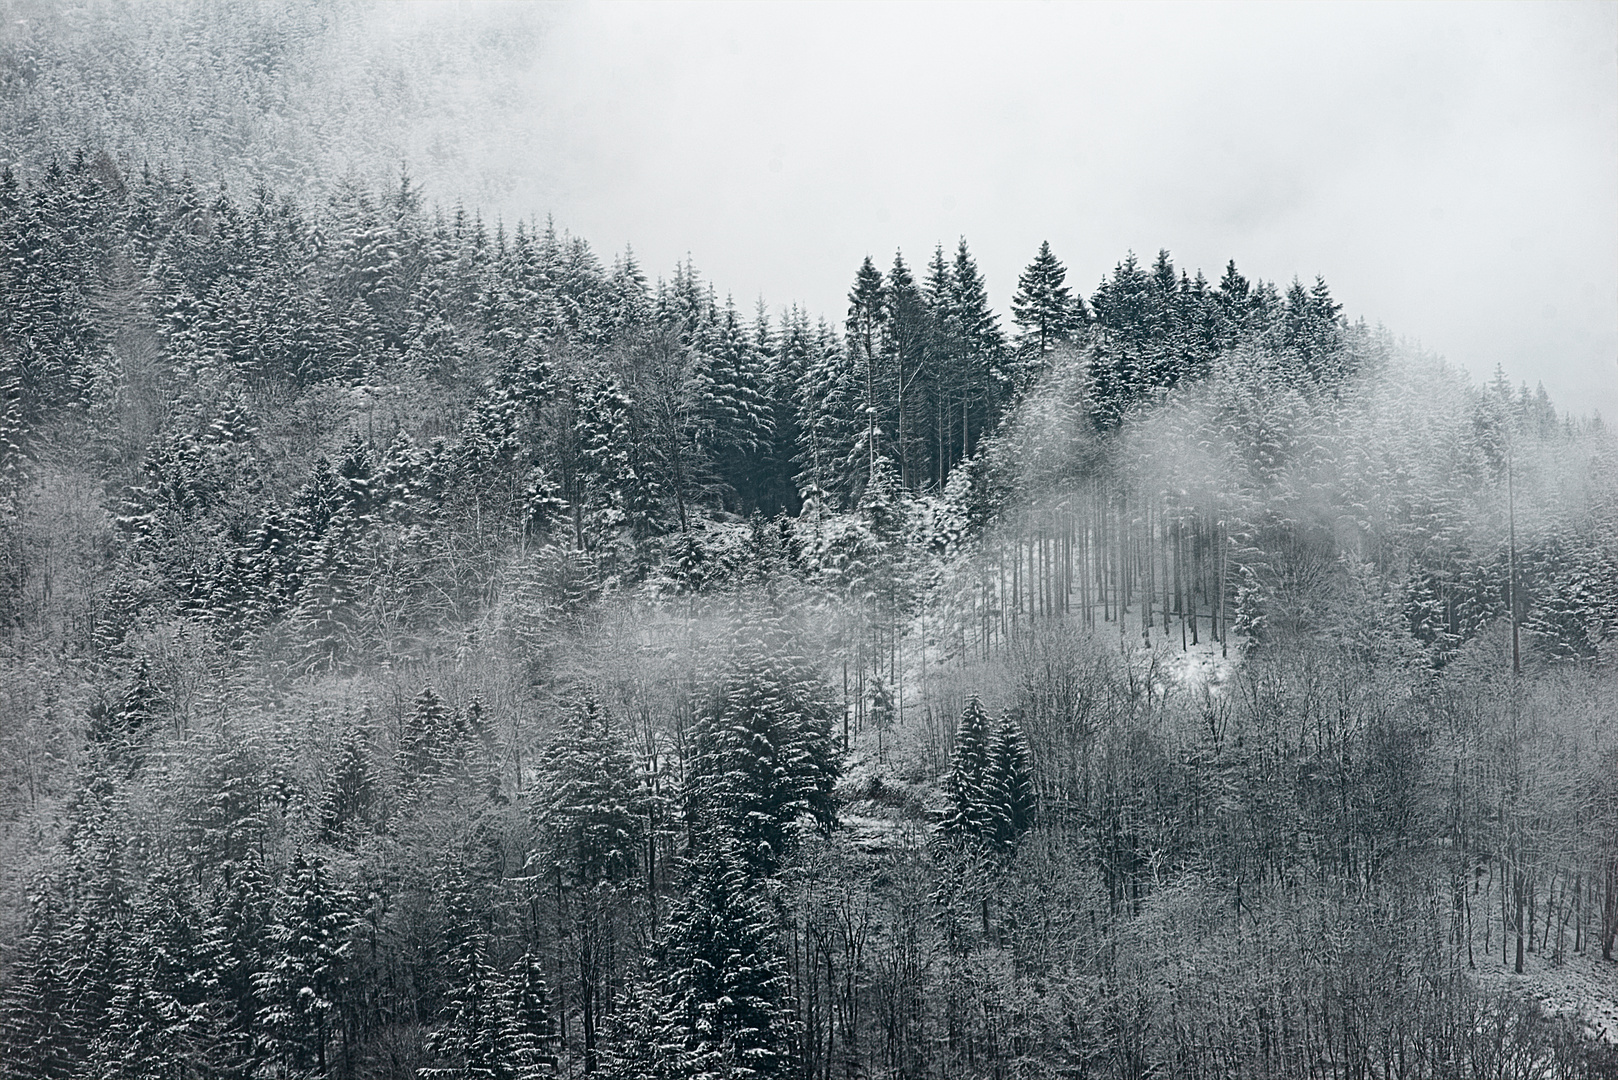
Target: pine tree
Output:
[(1009, 786), (991, 784), (587, 807), (967, 814), (325, 615), (589, 816), (431, 741), (940, 374), (163, 1018), (40, 1023), (737, 411), (531, 1036), (351, 795), (473, 1039), (831, 423), (785, 352), (906, 336), (867, 314), (1313, 335), (303, 983), (980, 349), (723, 985), (235, 930), (1044, 309), (762, 752)]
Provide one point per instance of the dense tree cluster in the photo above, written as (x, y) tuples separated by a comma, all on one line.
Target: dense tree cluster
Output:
[(431, 650)]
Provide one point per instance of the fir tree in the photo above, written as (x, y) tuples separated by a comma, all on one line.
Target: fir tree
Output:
[(1008, 786), (303, 983), (589, 817), (1044, 309), (867, 314), (474, 1037), (351, 795), (531, 1037), (163, 1017), (968, 813), (763, 753), (723, 985)]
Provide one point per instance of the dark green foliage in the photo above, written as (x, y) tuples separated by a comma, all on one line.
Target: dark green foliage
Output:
[(762, 754), (532, 1038), (351, 798), (587, 809), (721, 1004), (991, 782), (302, 986), (1045, 311), (476, 1037)]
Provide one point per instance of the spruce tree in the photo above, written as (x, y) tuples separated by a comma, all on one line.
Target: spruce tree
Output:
[(723, 985), (589, 815), (303, 983), (980, 349), (473, 1038), (163, 1018), (906, 334), (867, 314), (1044, 309), (351, 792), (968, 813), (762, 751), (531, 1036), (1009, 786)]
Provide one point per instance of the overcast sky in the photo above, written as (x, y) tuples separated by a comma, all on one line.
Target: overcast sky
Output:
[(1452, 170)]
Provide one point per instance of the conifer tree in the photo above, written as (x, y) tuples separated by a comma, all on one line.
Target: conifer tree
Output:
[(351, 795), (969, 765), (531, 1039), (906, 338), (42, 1032), (163, 1017), (1044, 309), (737, 414), (867, 314), (589, 816), (473, 1039), (762, 752), (722, 983), (303, 983), (1009, 786), (235, 930), (980, 349), (831, 424)]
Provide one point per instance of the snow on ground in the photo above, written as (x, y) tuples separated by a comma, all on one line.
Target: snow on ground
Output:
[(1582, 988), (1202, 667)]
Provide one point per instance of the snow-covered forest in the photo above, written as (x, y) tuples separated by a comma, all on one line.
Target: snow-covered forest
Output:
[(432, 647)]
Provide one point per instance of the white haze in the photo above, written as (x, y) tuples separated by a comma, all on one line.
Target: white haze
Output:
[(1452, 170)]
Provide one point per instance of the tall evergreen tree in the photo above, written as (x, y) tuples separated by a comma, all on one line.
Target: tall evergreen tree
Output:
[(906, 338), (969, 765), (473, 1039), (762, 752), (722, 982), (867, 315), (1044, 309), (589, 814), (303, 984), (980, 349)]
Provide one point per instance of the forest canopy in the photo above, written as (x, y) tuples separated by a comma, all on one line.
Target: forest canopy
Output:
[(432, 647)]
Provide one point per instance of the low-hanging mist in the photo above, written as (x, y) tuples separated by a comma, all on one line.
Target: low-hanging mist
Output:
[(433, 647)]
